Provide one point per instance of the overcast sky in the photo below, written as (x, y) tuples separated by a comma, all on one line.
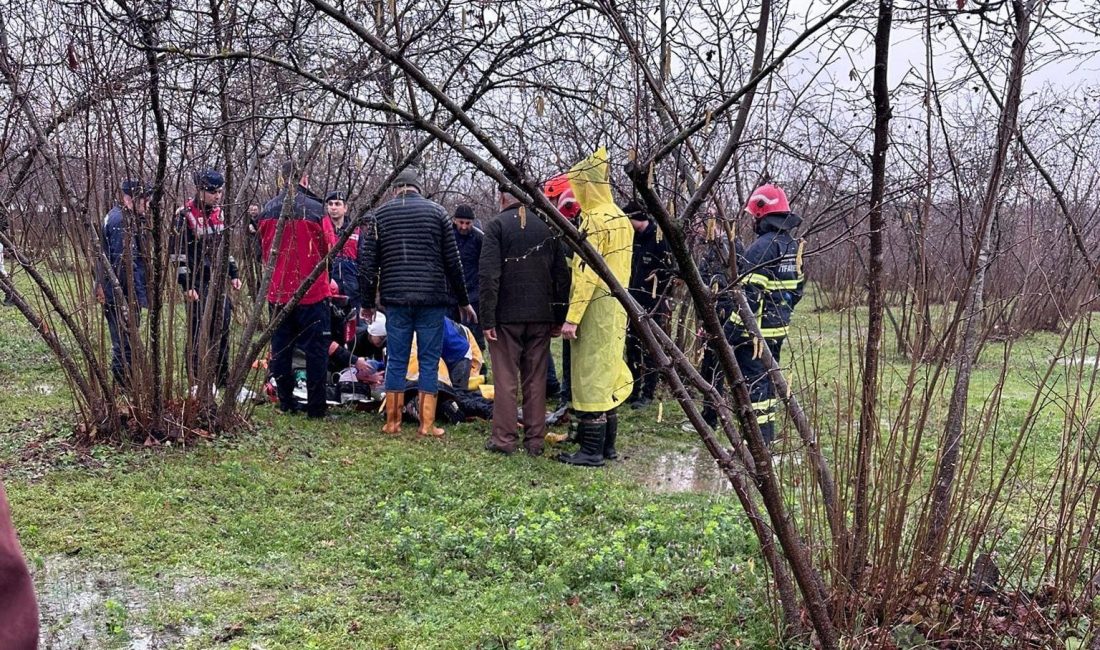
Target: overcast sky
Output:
[(907, 50)]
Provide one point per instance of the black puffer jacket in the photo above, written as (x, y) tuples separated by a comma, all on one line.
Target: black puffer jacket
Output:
[(524, 278), (409, 256)]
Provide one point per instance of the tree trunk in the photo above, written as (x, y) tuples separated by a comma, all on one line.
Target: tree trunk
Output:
[(868, 416), (939, 511)]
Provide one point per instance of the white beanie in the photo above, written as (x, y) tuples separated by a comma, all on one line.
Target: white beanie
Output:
[(377, 327)]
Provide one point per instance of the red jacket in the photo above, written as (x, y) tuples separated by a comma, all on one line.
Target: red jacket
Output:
[(306, 240)]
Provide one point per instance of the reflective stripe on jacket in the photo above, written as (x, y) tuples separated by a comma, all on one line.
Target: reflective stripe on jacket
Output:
[(772, 276)]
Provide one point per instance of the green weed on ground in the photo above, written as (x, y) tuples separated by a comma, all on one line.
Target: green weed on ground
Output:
[(306, 535), (333, 536), (330, 535)]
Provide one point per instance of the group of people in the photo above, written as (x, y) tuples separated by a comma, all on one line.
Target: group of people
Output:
[(419, 279)]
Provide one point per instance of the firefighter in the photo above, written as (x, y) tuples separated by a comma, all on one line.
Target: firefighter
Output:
[(197, 232), (773, 281)]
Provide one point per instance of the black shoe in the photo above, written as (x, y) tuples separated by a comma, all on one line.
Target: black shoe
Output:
[(489, 446), (534, 453), (590, 435), (640, 403), (609, 452)]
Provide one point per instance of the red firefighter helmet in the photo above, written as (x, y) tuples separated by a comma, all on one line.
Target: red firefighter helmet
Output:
[(767, 199)]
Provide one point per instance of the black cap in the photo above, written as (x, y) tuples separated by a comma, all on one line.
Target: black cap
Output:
[(464, 212), (336, 195), (635, 211), (209, 180), (135, 188)]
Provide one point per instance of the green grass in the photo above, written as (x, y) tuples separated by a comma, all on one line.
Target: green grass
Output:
[(298, 535), (335, 537)]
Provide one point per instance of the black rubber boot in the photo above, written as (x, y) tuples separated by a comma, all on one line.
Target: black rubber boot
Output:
[(609, 438), (590, 435)]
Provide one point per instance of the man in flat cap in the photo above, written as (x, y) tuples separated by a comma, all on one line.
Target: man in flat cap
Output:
[(198, 233), (121, 289), (409, 259)]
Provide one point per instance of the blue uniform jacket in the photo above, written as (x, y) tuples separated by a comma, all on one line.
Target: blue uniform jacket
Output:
[(118, 230), (771, 272)]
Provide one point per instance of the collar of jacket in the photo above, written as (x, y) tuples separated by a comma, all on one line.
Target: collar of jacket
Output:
[(302, 189), (777, 223)]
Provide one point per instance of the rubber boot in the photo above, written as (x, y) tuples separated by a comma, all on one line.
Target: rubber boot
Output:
[(590, 434), (428, 403), (609, 439), (395, 407)]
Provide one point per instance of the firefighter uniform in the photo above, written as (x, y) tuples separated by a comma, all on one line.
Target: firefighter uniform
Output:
[(772, 279)]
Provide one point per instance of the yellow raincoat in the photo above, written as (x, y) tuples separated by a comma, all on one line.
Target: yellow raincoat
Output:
[(601, 378)]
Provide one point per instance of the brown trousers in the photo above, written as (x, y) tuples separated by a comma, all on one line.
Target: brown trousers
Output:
[(18, 609), (520, 354)]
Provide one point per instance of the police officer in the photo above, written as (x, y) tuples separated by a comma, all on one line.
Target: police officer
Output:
[(197, 232), (345, 266), (123, 238), (650, 274)]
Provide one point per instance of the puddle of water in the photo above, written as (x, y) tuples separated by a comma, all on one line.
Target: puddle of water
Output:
[(695, 471), (86, 607), (689, 471)]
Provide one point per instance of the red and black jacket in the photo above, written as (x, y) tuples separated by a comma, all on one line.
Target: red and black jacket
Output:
[(304, 244), (196, 236)]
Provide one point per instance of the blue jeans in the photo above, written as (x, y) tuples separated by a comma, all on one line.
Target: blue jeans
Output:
[(401, 324)]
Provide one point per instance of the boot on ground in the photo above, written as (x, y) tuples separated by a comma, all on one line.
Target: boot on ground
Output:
[(590, 435), (428, 403), (395, 408)]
